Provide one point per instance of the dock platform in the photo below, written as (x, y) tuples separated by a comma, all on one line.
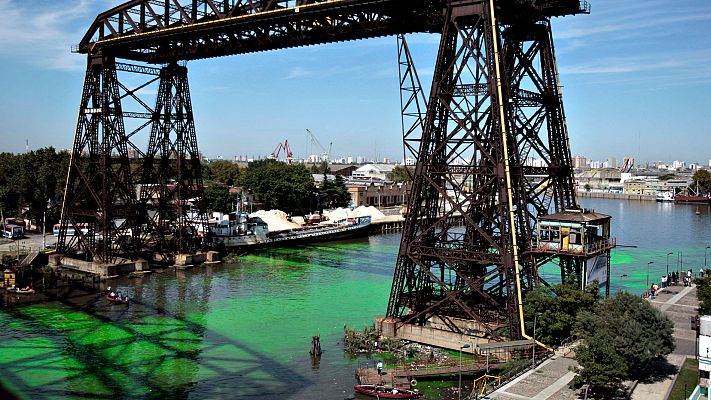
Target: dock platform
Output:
[(401, 376)]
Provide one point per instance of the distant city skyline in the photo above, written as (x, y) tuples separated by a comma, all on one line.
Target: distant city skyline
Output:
[(636, 77)]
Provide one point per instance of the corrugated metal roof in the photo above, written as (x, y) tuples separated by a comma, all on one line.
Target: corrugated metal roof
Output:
[(572, 216)]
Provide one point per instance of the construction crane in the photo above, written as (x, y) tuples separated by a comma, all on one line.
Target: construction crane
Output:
[(287, 151), (325, 155), (627, 164)]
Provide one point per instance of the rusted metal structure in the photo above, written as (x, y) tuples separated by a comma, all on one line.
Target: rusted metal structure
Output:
[(171, 184), (99, 208), (495, 103)]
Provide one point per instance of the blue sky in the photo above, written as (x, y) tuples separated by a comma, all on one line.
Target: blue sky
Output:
[(636, 77)]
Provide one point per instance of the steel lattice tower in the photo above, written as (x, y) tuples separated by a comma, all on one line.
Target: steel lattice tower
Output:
[(171, 186), (494, 104), (99, 200)]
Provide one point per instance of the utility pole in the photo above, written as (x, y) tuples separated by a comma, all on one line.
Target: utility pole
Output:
[(44, 225)]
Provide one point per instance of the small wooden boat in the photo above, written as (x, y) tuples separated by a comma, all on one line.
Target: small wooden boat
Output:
[(386, 392), (25, 291), (123, 300)]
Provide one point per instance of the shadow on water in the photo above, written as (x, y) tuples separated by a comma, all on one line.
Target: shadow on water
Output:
[(233, 331), (80, 345)]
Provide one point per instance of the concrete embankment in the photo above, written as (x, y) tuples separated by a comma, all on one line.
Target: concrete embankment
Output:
[(617, 196)]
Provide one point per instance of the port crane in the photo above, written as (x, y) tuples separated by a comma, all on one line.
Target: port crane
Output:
[(287, 151), (311, 138)]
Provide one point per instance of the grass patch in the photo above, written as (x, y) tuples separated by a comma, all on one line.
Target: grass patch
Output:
[(689, 376)]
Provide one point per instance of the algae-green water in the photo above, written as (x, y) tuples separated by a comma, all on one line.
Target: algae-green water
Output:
[(243, 330)]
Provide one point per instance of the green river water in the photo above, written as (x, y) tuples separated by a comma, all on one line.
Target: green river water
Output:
[(243, 330)]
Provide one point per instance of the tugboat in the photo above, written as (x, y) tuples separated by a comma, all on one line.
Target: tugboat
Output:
[(664, 197)]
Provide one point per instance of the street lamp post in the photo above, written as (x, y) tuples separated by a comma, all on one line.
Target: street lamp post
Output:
[(535, 319), (464, 346), (668, 254), (44, 234), (648, 264)]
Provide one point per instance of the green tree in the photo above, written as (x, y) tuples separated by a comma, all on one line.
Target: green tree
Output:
[(632, 328), (223, 171), (334, 193), (218, 198), (321, 168), (555, 309), (33, 180), (287, 187), (702, 181), (401, 174), (666, 177), (601, 365), (703, 293)]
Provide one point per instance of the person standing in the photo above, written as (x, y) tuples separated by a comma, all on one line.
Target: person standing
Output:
[(379, 367)]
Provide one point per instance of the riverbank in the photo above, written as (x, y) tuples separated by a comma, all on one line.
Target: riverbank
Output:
[(616, 196)]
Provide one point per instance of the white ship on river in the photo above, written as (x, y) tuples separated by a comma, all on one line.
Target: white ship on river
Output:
[(240, 231)]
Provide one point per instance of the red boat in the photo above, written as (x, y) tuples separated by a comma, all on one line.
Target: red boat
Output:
[(123, 300), (386, 392), (692, 199)]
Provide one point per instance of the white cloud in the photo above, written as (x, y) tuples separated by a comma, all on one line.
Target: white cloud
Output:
[(297, 72), (42, 33)]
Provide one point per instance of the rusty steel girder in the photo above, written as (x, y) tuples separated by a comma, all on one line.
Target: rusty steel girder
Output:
[(161, 31)]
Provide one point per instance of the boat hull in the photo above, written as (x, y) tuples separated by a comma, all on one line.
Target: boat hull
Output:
[(115, 300), (385, 392), (692, 199), (247, 242)]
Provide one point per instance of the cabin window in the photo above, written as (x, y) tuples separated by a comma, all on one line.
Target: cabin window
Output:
[(555, 234), (545, 234)]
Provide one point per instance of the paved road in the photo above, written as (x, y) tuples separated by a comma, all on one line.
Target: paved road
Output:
[(30, 242), (680, 304)]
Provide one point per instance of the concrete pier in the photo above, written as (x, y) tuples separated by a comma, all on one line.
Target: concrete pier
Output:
[(190, 260), (120, 267), (432, 336)]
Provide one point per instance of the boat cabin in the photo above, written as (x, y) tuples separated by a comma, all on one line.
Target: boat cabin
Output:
[(578, 232), (241, 226)]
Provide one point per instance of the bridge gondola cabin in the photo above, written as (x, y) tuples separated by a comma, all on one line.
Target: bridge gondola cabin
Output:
[(577, 238)]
